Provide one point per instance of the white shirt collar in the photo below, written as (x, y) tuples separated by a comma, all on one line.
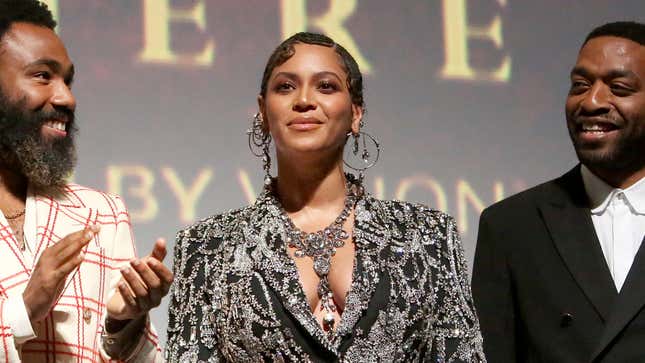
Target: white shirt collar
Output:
[(600, 193)]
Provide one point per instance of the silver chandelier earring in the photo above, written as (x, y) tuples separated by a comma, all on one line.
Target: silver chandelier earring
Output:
[(365, 148), (259, 143)]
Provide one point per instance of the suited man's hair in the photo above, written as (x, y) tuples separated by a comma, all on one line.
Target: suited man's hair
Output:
[(24, 11), (631, 30)]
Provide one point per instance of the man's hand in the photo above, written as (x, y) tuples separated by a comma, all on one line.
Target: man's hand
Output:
[(54, 265), (143, 284)]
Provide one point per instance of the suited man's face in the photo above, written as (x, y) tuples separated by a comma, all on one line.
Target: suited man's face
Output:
[(36, 106), (605, 108)]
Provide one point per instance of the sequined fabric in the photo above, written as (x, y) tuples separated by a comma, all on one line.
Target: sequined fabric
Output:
[(237, 297)]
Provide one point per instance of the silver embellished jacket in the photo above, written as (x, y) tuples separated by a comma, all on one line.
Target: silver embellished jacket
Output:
[(237, 296)]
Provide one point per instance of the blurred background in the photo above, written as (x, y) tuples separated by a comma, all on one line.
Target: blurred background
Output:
[(465, 96)]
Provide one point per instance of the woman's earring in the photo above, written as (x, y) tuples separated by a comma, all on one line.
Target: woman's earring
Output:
[(367, 158), (259, 143)]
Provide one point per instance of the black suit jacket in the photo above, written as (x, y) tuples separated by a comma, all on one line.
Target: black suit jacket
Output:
[(542, 287)]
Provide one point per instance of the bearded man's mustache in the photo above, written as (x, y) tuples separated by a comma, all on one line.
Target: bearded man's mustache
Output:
[(45, 162)]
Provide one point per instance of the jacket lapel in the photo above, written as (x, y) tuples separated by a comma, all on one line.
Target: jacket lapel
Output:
[(14, 270), (47, 220), (568, 220), (55, 219), (370, 289), (370, 237), (280, 272), (630, 302), (265, 238)]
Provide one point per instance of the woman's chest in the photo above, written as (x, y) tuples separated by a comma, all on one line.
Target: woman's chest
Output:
[(264, 309)]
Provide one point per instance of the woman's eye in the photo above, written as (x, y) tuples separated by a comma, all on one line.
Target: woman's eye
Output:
[(284, 86), (327, 86)]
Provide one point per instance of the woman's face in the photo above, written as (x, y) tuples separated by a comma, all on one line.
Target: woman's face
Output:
[(307, 107)]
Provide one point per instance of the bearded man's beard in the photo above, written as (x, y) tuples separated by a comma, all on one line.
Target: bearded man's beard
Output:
[(46, 162)]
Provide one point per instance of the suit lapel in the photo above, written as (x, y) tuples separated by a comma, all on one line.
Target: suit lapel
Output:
[(280, 272), (14, 270), (55, 219), (370, 287), (265, 237), (568, 220), (629, 302), (47, 220)]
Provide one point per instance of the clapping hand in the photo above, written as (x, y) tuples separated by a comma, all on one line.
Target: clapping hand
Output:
[(142, 286), (50, 273)]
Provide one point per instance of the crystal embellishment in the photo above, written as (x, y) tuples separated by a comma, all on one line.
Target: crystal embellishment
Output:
[(321, 246)]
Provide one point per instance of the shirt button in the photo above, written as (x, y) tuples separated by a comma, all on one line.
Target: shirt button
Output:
[(87, 315), (566, 320)]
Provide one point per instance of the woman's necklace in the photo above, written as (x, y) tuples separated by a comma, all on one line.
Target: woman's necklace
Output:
[(321, 246)]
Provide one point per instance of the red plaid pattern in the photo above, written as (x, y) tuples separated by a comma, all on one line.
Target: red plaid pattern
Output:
[(72, 331)]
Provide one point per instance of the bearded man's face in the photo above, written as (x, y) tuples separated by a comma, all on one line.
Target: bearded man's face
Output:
[(46, 162), (36, 107)]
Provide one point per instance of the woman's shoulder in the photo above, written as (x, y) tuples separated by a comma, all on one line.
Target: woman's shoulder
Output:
[(216, 227), (415, 212), (429, 232)]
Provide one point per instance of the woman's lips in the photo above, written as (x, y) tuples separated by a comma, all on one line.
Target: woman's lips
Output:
[(304, 124)]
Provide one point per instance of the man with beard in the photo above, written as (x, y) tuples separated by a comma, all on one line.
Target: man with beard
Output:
[(71, 288), (560, 269)]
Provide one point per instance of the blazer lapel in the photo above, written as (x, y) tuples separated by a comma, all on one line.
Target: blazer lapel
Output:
[(14, 270), (46, 221), (568, 220), (265, 237), (55, 219), (630, 301), (280, 272), (370, 287)]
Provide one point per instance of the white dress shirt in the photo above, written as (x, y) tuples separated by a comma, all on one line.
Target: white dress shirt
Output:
[(618, 217)]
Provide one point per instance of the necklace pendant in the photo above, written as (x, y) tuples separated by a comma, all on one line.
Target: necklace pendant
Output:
[(329, 320), (316, 241), (321, 266)]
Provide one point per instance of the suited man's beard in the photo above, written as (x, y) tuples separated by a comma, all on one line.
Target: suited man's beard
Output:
[(623, 154), (45, 162)]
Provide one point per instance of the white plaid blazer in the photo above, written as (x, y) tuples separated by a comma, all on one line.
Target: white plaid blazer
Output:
[(72, 331)]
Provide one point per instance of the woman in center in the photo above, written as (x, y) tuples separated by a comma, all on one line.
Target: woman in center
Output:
[(318, 269)]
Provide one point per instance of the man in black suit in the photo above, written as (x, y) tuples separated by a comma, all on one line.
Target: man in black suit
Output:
[(559, 270)]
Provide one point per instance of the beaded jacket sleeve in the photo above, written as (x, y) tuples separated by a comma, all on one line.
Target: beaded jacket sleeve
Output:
[(237, 296)]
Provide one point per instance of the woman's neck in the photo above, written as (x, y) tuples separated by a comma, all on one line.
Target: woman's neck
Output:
[(316, 183)]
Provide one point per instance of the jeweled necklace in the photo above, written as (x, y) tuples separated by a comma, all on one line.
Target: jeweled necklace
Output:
[(321, 246)]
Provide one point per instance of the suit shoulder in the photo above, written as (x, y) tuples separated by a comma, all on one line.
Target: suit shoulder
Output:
[(79, 195), (205, 241), (522, 200), (420, 213), (218, 225)]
